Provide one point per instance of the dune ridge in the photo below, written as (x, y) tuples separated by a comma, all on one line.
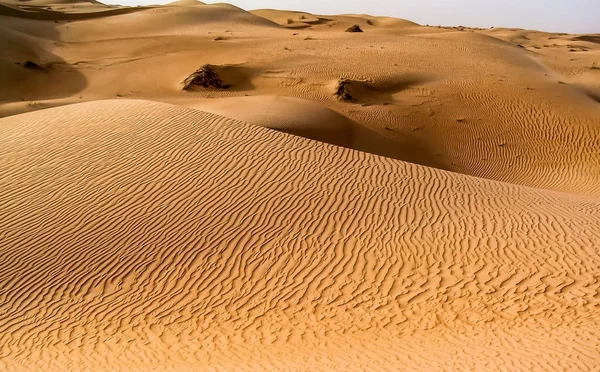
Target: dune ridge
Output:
[(305, 119)]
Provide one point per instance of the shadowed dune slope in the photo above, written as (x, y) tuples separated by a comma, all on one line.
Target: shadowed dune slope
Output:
[(140, 236), (303, 118), (30, 71)]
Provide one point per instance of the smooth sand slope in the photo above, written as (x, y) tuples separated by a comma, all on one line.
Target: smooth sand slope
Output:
[(405, 198), (140, 235), (302, 118)]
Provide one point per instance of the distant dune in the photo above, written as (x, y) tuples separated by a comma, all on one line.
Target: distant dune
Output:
[(402, 198)]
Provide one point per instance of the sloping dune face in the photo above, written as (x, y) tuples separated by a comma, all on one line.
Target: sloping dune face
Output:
[(305, 119), (507, 105), (304, 198), (144, 236)]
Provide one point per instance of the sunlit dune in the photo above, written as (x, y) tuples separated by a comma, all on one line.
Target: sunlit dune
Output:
[(199, 187)]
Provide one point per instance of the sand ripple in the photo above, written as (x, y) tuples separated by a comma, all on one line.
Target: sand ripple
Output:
[(141, 236)]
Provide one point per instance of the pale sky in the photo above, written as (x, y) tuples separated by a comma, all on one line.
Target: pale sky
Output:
[(574, 16)]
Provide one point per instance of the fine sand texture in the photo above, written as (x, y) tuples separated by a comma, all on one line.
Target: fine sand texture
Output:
[(197, 187)]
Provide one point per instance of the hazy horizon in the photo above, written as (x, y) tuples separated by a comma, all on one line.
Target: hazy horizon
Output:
[(575, 16)]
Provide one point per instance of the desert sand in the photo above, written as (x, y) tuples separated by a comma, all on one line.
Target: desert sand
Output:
[(404, 198)]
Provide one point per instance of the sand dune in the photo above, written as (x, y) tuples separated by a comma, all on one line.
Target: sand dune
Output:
[(472, 102), (31, 71), (302, 20), (405, 198), (142, 235), (305, 119), (64, 11)]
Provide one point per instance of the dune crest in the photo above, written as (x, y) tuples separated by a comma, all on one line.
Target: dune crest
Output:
[(305, 119)]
